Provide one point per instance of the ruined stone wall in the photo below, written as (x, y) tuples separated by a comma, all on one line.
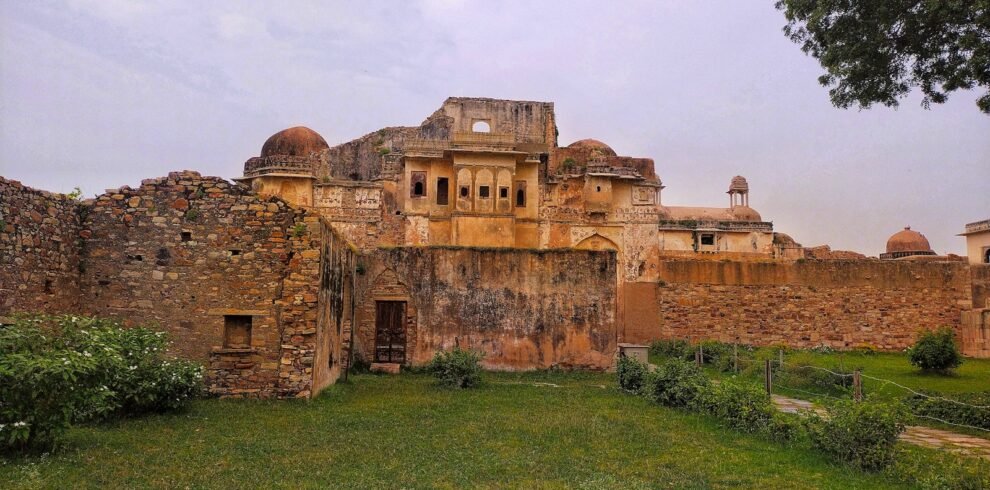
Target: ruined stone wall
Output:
[(842, 304), (980, 275), (337, 284), (524, 309), (183, 252), (39, 250)]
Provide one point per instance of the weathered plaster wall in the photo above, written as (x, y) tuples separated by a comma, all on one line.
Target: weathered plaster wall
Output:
[(842, 304), (39, 250), (524, 309)]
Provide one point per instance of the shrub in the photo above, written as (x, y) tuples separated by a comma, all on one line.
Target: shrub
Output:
[(804, 369), (968, 412), (676, 383), (630, 373), (747, 408), (936, 469), (456, 368), (935, 351), (57, 370), (676, 348), (715, 352), (862, 434)]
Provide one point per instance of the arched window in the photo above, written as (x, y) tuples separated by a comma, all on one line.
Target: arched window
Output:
[(481, 127), (986, 256), (418, 189)]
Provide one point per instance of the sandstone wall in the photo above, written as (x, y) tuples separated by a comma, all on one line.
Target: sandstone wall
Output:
[(842, 304), (524, 309), (39, 250)]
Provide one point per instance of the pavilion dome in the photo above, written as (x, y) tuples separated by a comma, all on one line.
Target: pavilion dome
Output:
[(297, 141), (908, 240), (739, 184), (597, 147)]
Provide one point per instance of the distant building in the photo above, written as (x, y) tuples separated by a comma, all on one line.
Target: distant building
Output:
[(978, 241)]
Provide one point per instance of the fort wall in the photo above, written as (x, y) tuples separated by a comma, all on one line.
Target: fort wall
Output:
[(39, 250), (524, 309), (841, 304)]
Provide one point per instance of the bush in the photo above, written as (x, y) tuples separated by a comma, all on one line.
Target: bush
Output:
[(935, 351), (715, 352), (58, 370), (630, 373), (968, 412), (456, 368), (676, 383), (747, 408), (862, 434), (806, 370), (936, 469), (671, 348)]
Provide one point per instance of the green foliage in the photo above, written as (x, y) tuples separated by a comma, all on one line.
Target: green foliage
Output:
[(936, 351), (630, 373), (862, 434), (192, 215), (799, 370), (748, 408), (299, 230), (75, 195), (384, 151), (59, 370), (675, 383), (939, 470), (967, 412), (671, 348), (3, 225), (456, 368), (877, 52), (569, 163)]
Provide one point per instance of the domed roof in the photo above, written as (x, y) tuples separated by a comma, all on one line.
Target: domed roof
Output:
[(908, 240), (595, 146), (297, 141), (739, 184), (746, 213)]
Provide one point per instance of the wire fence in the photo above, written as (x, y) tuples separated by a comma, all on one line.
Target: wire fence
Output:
[(790, 377)]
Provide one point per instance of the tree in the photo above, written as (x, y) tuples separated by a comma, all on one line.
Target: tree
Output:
[(876, 51)]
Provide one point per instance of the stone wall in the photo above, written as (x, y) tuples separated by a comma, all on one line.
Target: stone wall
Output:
[(842, 304), (39, 250), (189, 254), (524, 309)]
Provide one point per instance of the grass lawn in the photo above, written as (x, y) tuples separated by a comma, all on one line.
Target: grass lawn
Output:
[(403, 431)]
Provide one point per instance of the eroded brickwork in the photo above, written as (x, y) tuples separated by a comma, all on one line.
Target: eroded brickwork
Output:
[(842, 304), (39, 250), (524, 309)]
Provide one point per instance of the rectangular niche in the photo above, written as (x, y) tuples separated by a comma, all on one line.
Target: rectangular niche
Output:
[(237, 331)]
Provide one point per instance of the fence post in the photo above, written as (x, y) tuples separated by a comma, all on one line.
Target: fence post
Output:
[(857, 386), (780, 356), (735, 357), (768, 376), (701, 355)]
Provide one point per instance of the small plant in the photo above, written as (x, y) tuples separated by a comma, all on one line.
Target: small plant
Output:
[(299, 230), (200, 193), (456, 368), (75, 195), (3, 225), (192, 215), (747, 408), (862, 434), (935, 351), (676, 383), (384, 151), (670, 348), (630, 373), (569, 163)]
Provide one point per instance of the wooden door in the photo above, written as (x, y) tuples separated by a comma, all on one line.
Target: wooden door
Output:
[(390, 331)]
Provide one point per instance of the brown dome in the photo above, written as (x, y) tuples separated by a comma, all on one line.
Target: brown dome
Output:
[(908, 240), (595, 146), (746, 213), (298, 141)]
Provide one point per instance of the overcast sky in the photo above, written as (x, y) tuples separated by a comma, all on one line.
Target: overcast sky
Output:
[(100, 94)]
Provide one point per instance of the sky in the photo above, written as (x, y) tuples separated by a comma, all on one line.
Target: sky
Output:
[(100, 94)]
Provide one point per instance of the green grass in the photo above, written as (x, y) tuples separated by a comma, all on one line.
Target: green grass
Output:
[(403, 431)]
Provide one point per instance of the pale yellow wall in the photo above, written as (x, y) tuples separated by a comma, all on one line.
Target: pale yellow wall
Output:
[(483, 177), (621, 193), (678, 240), (483, 231), (598, 194), (976, 245), (528, 172), (732, 242), (297, 191), (417, 205)]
